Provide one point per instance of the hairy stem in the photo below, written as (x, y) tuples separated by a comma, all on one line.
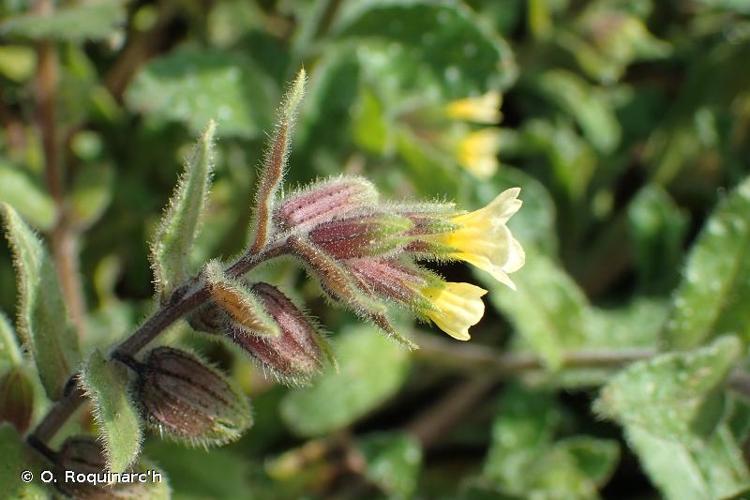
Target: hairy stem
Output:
[(159, 321)]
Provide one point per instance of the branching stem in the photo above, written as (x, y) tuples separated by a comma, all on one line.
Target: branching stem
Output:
[(157, 323)]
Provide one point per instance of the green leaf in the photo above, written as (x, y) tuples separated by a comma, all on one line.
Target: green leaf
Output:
[(43, 322), (31, 202), (525, 461), (10, 351), (548, 309), (714, 296), (583, 103), (463, 54), (371, 369), (666, 395), (194, 86), (76, 23), (393, 462), (658, 228), (17, 458), (596, 458), (106, 384), (714, 468), (170, 252), (91, 194)]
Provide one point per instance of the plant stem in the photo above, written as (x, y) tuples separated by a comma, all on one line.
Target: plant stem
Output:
[(64, 237), (477, 359), (482, 359), (167, 314)]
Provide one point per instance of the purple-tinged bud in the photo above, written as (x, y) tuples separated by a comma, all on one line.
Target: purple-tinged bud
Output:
[(298, 353), (187, 400), (394, 281), (325, 201), (80, 472), (367, 235), (16, 398)]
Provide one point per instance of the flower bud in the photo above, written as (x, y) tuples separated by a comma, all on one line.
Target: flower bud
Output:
[(16, 398), (209, 318), (189, 401), (83, 457), (367, 235), (324, 201), (298, 353)]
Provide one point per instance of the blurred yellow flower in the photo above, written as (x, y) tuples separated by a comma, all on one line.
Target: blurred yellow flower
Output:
[(457, 306), (477, 152), (482, 109), (483, 239)]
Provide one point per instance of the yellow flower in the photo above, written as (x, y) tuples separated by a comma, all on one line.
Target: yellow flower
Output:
[(457, 306), (483, 239), (477, 152), (482, 109)]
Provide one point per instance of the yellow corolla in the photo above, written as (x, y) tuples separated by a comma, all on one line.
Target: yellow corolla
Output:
[(482, 109), (482, 238), (477, 152), (456, 307)]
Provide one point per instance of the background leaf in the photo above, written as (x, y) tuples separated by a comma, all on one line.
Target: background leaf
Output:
[(711, 300), (76, 23), (194, 86), (371, 369)]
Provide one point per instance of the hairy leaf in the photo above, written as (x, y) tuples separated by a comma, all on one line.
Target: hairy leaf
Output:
[(170, 253), (714, 296), (42, 319), (666, 395), (10, 351), (371, 369), (106, 384)]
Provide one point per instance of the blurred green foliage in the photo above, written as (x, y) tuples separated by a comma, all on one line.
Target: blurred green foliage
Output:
[(627, 126)]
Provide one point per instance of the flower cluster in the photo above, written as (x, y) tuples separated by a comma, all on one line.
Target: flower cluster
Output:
[(364, 252)]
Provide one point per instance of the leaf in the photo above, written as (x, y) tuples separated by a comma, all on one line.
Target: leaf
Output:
[(658, 228), (709, 469), (596, 458), (91, 194), (93, 20), (548, 309), (17, 458), (393, 462), (194, 86), (106, 384), (666, 395), (525, 461), (462, 54), (32, 202), (43, 322), (714, 296), (10, 351), (583, 103), (371, 369), (170, 252)]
